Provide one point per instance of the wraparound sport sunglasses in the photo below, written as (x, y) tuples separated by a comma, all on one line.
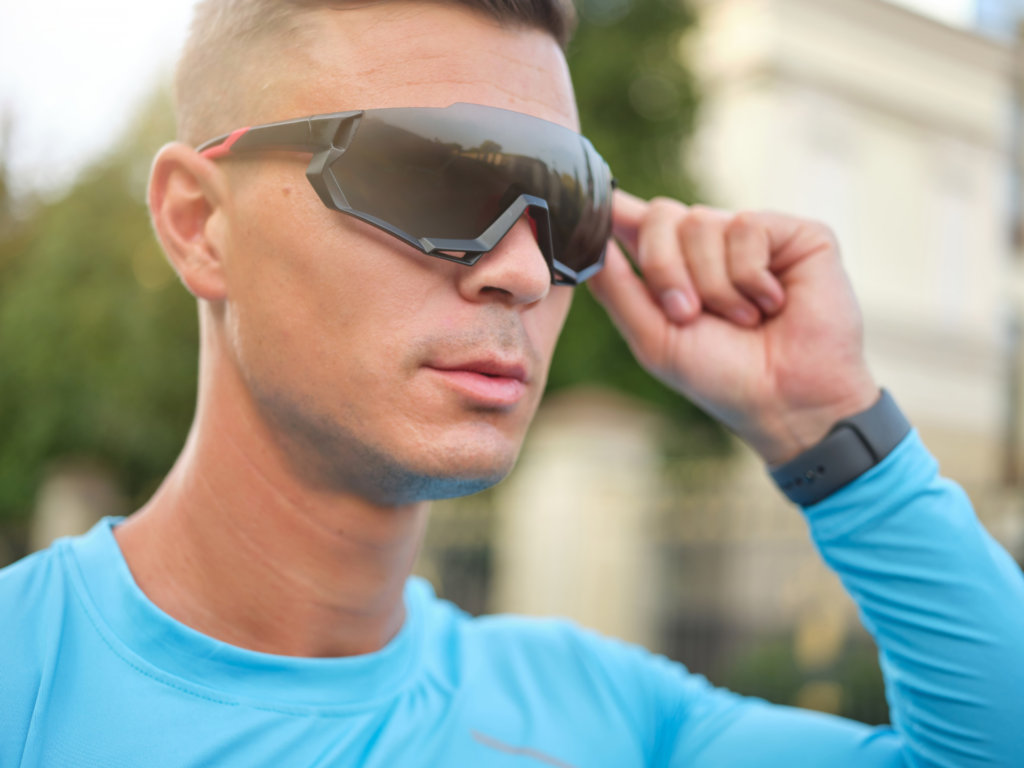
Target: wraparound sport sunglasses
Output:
[(453, 181)]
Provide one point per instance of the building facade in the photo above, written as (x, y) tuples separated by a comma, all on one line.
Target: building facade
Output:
[(894, 129)]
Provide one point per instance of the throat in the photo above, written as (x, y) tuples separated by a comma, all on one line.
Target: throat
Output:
[(272, 580)]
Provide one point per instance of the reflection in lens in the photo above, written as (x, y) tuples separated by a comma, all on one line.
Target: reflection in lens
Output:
[(450, 173)]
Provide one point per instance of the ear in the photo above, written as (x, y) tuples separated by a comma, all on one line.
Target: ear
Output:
[(187, 199)]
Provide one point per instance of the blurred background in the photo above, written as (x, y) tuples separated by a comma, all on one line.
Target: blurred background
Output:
[(898, 122)]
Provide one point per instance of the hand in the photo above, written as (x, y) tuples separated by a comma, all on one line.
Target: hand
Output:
[(749, 315)]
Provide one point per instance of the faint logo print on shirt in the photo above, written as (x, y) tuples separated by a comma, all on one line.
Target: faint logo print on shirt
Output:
[(511, 749)]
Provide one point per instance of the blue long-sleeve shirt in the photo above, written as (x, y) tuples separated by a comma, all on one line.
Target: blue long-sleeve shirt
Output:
[(93, 674)]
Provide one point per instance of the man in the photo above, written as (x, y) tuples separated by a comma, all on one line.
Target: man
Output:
[(259, 611)]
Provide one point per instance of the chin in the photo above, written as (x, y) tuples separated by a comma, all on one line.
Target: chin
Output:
[(438, 463), (447, 470), (461, 471), (390, 476), (394, 484)]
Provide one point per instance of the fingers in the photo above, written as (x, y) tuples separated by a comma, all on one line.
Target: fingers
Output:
[(657, 255), (702, 237), (748, 249), (648, 231), (623, 293), (626, 298), (628, 213), (700, 258)]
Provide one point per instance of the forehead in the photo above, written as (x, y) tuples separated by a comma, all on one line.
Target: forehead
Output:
[(422, 54)]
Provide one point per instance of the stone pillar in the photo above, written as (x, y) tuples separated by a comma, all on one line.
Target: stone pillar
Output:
[(71, 499), (573, 522)]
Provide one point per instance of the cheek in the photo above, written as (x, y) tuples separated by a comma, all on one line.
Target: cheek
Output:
[(544, 322), (319, 299)]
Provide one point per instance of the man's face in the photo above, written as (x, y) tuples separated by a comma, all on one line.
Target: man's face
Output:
[(383, 371)]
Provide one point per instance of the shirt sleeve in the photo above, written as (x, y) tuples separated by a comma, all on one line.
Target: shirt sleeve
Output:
[(945, 604)]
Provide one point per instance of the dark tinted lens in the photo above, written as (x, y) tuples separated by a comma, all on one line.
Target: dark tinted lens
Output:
[(424, 186), (582, 219), (449, 173)]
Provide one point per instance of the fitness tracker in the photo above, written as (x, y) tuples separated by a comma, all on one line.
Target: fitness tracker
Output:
[(852, 447)]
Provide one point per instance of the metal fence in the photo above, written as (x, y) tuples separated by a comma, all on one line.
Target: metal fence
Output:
[(740, 594)]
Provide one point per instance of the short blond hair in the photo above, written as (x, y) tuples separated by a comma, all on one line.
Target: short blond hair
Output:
[(229, 39)]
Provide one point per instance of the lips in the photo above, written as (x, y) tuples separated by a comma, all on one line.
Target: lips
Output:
[(493, 368), (489, 382)]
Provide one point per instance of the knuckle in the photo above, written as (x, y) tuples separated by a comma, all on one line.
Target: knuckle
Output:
[(745, 273), (644, 350), (701, 210), (742, 224), (663, 269), (666, 206), (656, 255), (698, 221), (717, 293), (823, 231), (652, 258), (661, 275)]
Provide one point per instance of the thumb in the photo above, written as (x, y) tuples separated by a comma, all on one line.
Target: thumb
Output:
[(628, 213)]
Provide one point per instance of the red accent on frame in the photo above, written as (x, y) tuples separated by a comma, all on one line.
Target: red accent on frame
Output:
[(533, 224), (224, 147)]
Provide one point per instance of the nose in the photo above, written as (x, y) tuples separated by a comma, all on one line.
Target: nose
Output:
[(514, 272)]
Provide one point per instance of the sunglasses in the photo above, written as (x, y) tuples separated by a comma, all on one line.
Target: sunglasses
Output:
[(452, 182)]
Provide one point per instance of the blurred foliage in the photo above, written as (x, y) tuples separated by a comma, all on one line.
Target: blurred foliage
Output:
[(770, 671), (637, 99), (6, 204), (98, 341), (637, 103)]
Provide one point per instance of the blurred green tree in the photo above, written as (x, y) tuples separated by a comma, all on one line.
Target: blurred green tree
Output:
[(637, 97), (769, 670), (97, 338), (637, 102), (6, 203)]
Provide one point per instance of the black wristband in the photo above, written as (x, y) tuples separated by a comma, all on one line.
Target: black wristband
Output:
[(852, 447)]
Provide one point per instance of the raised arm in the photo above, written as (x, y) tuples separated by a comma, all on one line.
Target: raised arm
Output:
[(752, 317)]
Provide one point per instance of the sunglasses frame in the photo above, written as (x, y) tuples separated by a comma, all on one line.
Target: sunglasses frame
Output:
[(328, 136)]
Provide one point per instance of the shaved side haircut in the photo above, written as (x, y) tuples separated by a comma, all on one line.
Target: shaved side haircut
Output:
[(226, 67)]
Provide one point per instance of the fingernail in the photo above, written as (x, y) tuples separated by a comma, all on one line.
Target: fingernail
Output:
[(767, 303), (676, 305), (744, 316)]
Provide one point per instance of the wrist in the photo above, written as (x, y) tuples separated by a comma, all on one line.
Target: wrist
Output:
[(789, 432), (852, 446)]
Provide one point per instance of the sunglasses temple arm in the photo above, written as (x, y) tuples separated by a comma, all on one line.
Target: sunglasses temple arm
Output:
[(306, 134)]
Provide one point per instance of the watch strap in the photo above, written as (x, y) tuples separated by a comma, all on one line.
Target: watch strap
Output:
[(852, 447)]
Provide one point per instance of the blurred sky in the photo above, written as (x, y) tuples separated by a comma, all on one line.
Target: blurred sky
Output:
[(72, 73), (950, 11)]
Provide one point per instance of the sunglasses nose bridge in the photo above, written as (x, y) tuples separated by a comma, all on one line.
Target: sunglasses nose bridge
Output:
[(539, 216), (514, 270)]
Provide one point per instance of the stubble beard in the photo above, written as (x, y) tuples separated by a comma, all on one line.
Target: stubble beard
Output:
[(339, 455)]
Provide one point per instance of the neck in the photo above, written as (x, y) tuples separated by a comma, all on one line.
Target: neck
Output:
[(234, 545)]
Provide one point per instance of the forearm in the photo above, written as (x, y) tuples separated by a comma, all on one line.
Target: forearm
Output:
[(944, 602), (751, 316)]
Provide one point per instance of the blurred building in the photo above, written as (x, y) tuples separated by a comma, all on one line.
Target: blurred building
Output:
[(893, 128)]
